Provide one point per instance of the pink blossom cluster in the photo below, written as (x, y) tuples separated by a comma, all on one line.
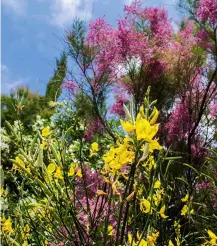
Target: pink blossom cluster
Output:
[(207, 12), (70, 86), (117, 107), (145, 41), (213, 109), (179, 123), (203, 185)]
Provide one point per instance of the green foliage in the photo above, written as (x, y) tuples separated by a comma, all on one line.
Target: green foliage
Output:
[(22, 104), (53, 89)]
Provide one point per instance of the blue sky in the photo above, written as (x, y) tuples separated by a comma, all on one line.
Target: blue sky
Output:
[(32, 31)]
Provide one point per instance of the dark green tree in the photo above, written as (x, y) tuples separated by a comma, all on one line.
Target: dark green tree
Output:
[(53, 90)]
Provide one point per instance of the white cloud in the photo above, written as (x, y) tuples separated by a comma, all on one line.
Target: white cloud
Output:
[(127, 2), (9, 80), (64, 11), (19, 7)]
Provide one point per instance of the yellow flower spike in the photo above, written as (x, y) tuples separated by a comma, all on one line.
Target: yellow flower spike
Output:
[(58, 173), (155, 116), (145, 206), (95, 147), (79, 173), (184, 210), (46, 132), (110, 230), (185, 199), (71, 171), (128, 127), (162, 212), (157, 184), (171, 243), (7, 226), (101, 193)]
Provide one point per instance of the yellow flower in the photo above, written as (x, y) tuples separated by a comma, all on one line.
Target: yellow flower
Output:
[(154, 145), (71, 171), (43, 144), (45, 242), (144, 131), (184, 210), (51, 168), (58, 173), (152, 239), (157, 184), (185, 199), (157, 197), (145, 206), (95, 146), (155, 116), (128, 127), (79, 173), (26, 228), (213, 238), (110, 230), (118, 157), (114, 188), (107, 180), (45, 132), (133, 243), (101, 193), (7, 226), (19, 161), (150, 163), (131, 196), (162, 212), (170, 243), (1, 191), (130, 240)]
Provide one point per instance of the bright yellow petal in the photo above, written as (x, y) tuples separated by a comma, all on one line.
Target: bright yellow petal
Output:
[(170, 243), (51, 168), (212, 234), (128, 127), (95, 146), (157, 184), (185, 199), (71, 171), (162, 212), (155, 116)]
